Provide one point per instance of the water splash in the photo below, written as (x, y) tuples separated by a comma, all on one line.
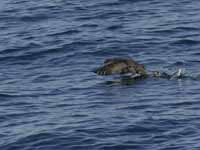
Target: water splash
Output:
[(178, 74)]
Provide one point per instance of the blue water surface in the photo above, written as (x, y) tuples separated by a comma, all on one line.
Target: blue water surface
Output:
[(51, 100)]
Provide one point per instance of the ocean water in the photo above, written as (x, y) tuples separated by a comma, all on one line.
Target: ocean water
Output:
[(50, 98)]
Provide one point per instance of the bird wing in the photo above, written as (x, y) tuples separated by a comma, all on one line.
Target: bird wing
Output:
[(113, 60), (114, 67)]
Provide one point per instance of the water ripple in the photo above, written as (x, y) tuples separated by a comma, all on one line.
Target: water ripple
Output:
[(51, 99)]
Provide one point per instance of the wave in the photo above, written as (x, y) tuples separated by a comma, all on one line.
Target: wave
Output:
[(68, 32), (114, 27), (185, 42)]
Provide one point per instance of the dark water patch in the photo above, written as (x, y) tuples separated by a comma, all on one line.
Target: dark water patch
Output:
[(26, 114), (21, 94), (11, 10), (8, 18), (139, 107), (80, 8), (184, 104), (17, 2), (6, 103), (32, 141), (158, 43), (48, 8), (195, 54), (80, 43), (122, 146), (34, 18), (164, 31), (42, 78), (186, 29), (142, 129), (31, 56), (105, 15), (91, 25), (8, 95), (69, 32), (185, 42), (179, 63), (154, 61), (135, 1), (114, 27), (185, 36), (106, 4), (72, 106), (195, 77), (173, 66), (16, 49), (21, 60)]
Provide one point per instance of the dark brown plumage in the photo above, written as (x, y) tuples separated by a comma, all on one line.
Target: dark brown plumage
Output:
[(127, 65), (121, 66)]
